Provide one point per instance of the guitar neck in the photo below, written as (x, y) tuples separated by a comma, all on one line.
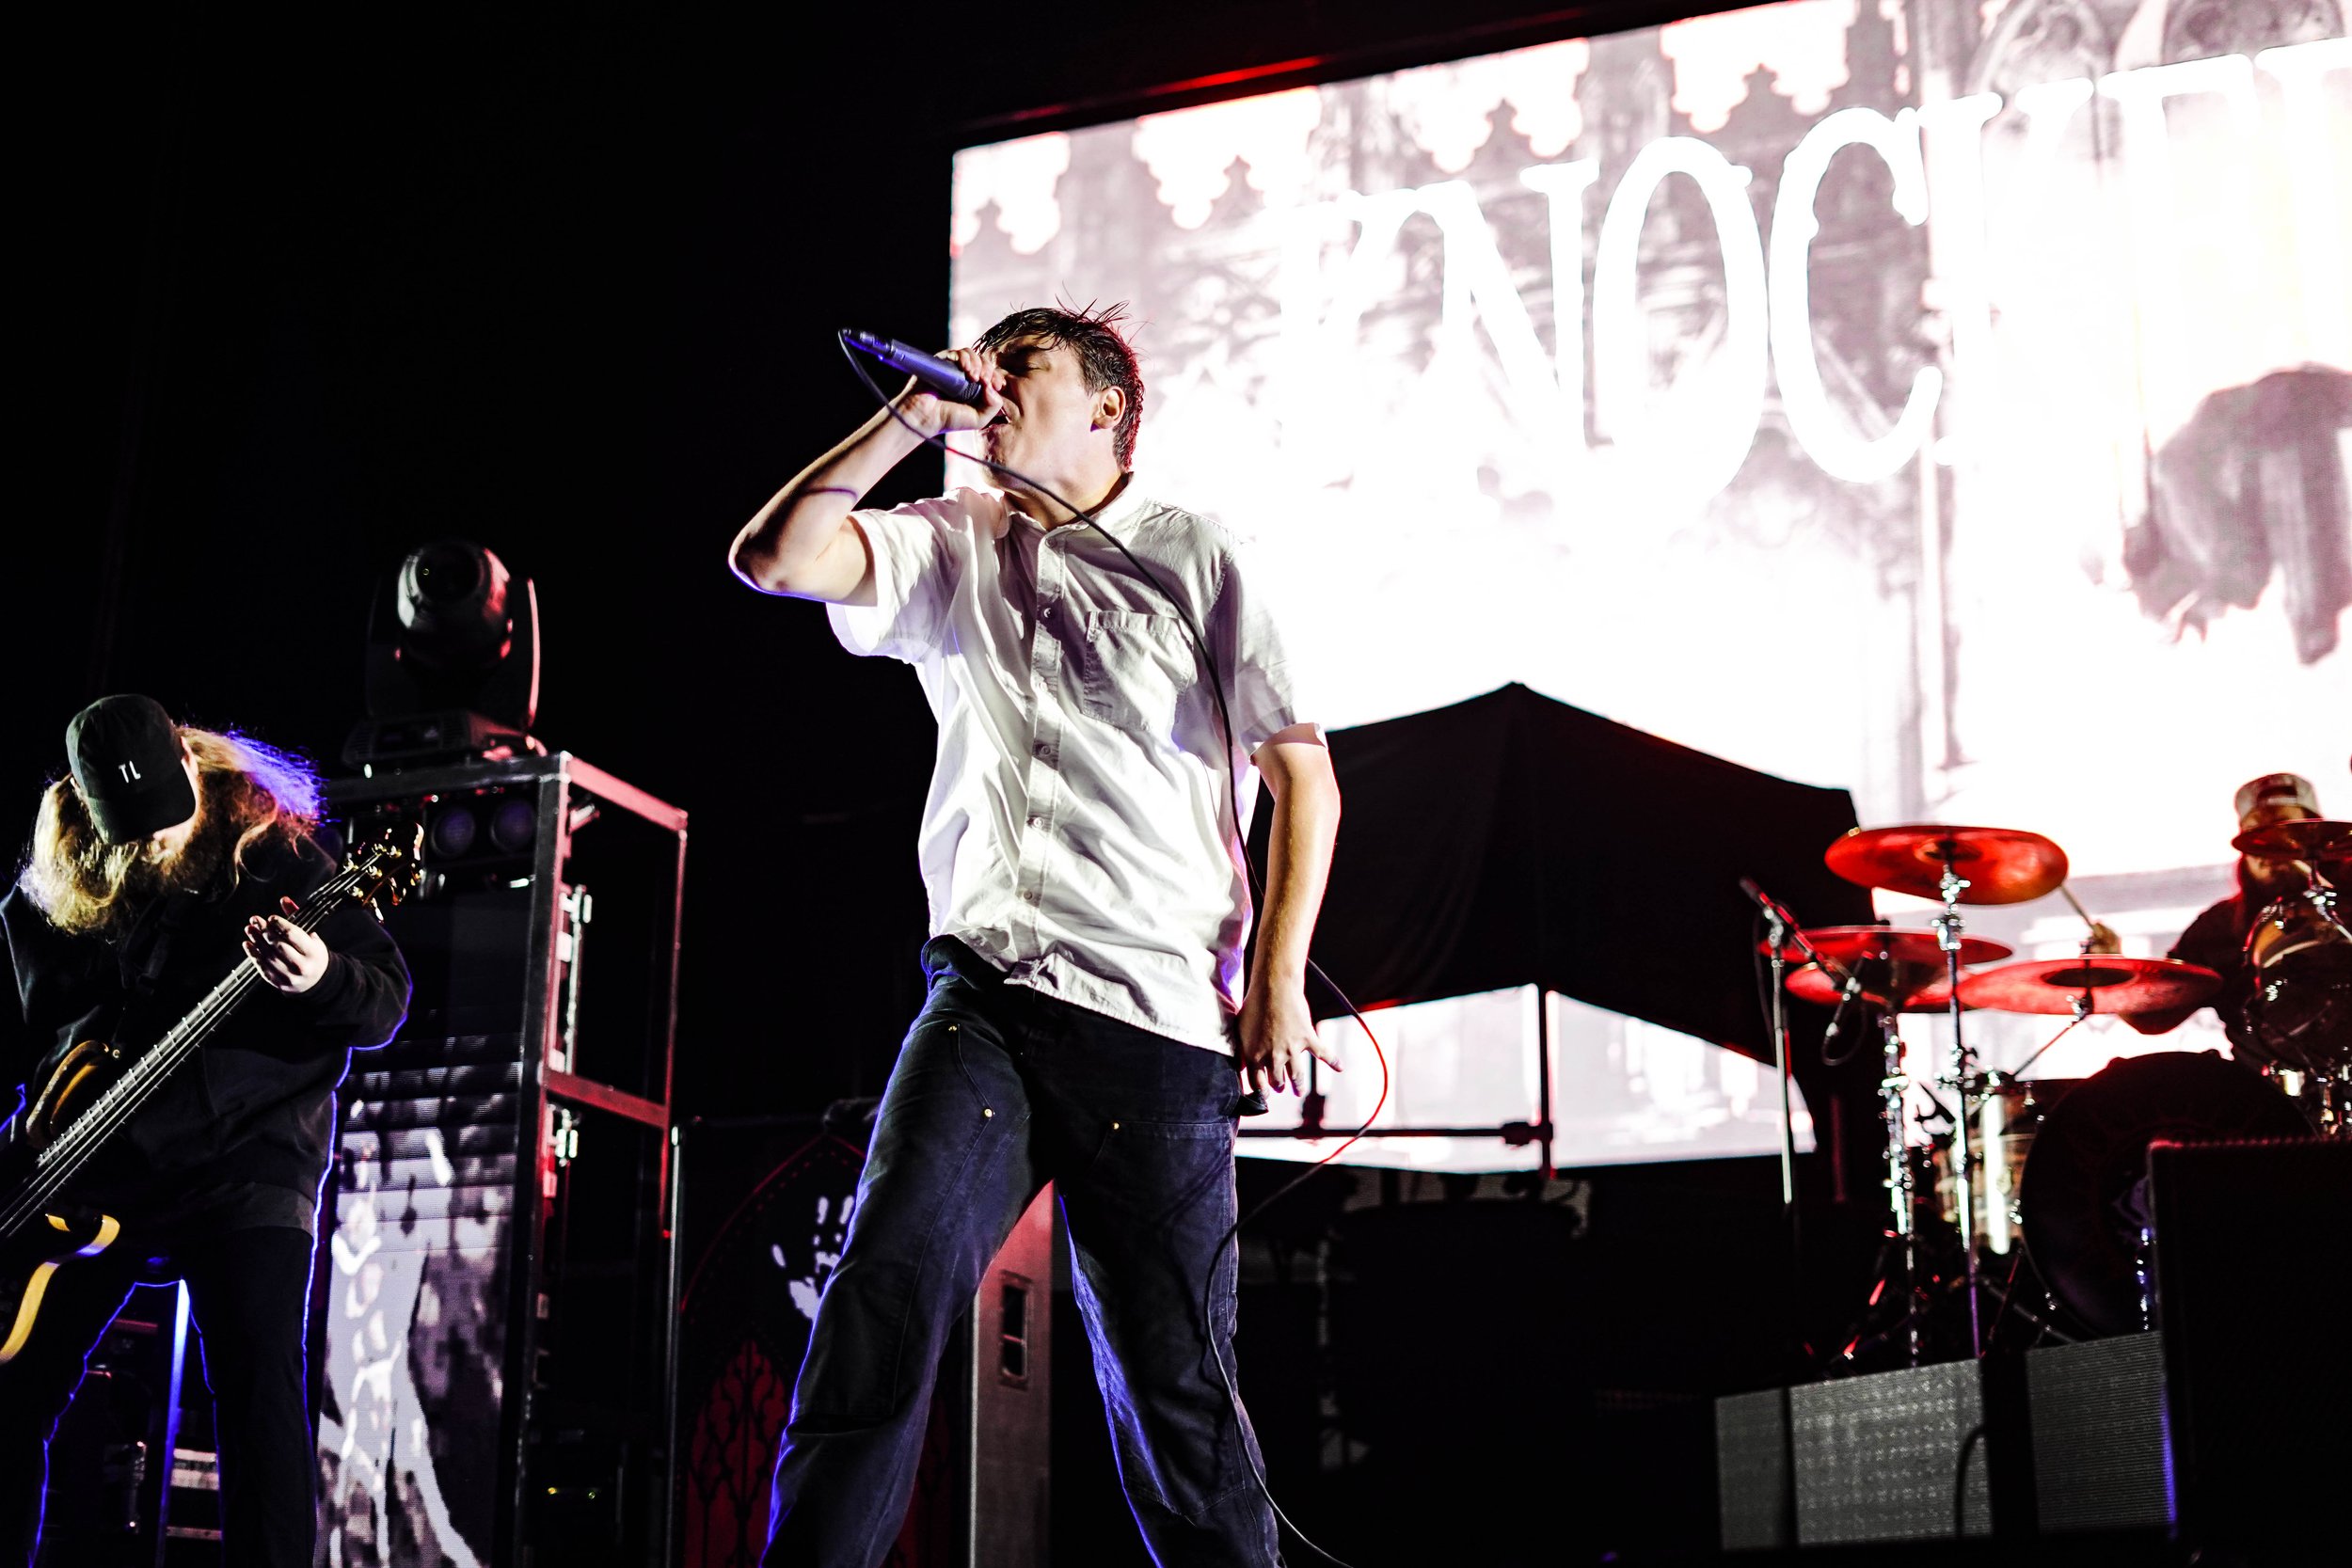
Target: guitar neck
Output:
[(69, 1149)]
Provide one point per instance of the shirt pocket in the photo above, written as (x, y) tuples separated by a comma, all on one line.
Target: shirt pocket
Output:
[(1133, 668)]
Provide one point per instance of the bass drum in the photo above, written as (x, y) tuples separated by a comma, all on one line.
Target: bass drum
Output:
[(2085, 1190)]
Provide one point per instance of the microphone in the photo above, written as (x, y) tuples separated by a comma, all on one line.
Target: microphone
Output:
[(939, 377), (1845, 1000), (1771, 907), (1775, 909)]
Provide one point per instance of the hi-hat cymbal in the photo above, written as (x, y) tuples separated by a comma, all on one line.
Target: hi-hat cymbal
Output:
[(1853, 945), (2001, 865), (2110, 984), (1903, 988), (2311, 839)]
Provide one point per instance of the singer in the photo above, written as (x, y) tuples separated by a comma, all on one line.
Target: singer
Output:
[(1086, 1023)]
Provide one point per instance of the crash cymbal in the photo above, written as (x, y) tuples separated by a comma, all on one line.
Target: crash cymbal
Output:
[(1901, 988), (2311, 839), (2113, 984), (2001, 865), (1853, 945)]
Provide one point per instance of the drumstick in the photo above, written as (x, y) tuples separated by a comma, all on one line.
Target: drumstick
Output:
[(2069, 890)]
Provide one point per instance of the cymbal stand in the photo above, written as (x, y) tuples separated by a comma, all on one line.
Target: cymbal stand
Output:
[(1949, 927), (2080, 1007), (1893, 1097), (2322, 893)]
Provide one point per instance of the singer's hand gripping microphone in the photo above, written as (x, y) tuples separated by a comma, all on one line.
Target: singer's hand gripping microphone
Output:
[(938, 377)]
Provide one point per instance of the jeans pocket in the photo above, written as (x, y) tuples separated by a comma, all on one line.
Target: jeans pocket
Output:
[(1157, 1144)]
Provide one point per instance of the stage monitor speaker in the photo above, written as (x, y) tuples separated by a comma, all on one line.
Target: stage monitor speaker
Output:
[(2099, 1460), (2252, 1274), (492, 1311), (1752, 1469), (1931, 1451), (763, 1205)]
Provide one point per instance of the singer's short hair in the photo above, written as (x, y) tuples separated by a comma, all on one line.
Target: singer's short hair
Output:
[(1104, 356)]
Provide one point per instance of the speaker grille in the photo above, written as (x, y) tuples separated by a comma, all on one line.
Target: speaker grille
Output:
[(2099, 1458), (1897, 1456)]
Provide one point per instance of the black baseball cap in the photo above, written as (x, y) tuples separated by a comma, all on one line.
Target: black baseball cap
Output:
[(125, 752)]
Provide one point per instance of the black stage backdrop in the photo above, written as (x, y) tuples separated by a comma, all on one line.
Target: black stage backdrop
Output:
[(297, 294), (1512, 840)]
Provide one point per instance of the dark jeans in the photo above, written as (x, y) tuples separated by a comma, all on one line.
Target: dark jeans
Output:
[(250, 1289), (998, 1090)]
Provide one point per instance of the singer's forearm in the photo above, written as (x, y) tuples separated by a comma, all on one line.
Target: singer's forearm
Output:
[(1305, 825), (796, 545)]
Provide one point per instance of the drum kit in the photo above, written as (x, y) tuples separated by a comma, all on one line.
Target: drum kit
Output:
[(2055, 1169)]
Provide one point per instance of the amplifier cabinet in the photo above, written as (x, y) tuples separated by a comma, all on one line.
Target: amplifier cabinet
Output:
[(2253, 1271)]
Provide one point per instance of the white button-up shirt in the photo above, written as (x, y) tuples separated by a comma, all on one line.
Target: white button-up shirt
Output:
[(1079, 832)]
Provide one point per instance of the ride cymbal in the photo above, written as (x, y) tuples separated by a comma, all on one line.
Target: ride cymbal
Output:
[(2109, 982), (2000, 865)]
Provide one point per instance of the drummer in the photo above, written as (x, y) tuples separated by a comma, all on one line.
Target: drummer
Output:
[(2217, 939)]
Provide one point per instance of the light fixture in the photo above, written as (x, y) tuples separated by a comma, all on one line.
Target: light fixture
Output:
[(453, 666)]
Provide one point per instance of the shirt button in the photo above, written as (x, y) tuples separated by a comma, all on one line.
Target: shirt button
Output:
[(1030, 895), (1044, 750), (1037, 821)]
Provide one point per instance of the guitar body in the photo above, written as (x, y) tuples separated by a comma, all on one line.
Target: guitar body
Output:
[(81, 1076), (95, 1090), (31, 1258)]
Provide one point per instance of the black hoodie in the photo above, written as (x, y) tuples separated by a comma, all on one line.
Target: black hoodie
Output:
[(258, 1103)]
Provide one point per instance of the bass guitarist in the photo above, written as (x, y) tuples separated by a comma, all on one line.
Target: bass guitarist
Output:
[(169, 856)]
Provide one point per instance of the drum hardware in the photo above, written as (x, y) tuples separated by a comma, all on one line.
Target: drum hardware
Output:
[(2084, 1232), (2006, 866), (2299, 952), (1894, 1094), (2081, 1006), (2325, 1097)]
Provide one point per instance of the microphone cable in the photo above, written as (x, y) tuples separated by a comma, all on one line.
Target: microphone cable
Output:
[(1257, 896)]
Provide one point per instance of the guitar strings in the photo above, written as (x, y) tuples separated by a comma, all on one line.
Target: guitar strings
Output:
[(65, 1156)]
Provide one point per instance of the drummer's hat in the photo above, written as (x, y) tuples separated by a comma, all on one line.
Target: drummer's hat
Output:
[(2273, 789)]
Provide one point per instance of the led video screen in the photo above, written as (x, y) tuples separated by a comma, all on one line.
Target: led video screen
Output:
[(1947, 401)]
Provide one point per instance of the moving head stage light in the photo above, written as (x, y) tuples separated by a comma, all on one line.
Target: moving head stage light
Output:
[(452, 661)]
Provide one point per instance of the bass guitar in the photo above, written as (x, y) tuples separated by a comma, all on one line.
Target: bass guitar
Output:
[(98, 1087)]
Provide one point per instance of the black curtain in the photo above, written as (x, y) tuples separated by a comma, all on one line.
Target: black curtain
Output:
[(1512, 840)]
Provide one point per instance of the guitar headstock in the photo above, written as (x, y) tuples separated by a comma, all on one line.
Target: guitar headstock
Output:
[(385, 872)]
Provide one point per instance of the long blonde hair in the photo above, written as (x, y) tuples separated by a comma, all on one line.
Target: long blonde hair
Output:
[(247, 795)]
